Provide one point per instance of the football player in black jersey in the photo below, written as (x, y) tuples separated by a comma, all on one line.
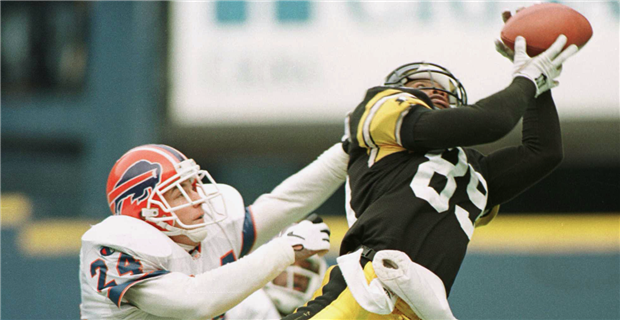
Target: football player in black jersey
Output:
[(414, 185)]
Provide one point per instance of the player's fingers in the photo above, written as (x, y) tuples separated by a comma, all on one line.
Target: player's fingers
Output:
[(322, 227), (567, 53), (303, 254), (504, 50), (322, 253), (556, 47), (520, 46), (506, 15), (499, 47), (554, 84), (318, 246)]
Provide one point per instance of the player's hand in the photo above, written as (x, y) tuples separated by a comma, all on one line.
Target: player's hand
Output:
[(500, 47), (545, 67), (504, 50), (308, 238)]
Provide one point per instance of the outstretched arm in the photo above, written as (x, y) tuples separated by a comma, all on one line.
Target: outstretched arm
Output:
[(493, 117), (485, 121), (212, 293), (513, 170), (300, 194)]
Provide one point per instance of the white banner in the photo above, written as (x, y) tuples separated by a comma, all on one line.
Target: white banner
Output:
[(247, 62)]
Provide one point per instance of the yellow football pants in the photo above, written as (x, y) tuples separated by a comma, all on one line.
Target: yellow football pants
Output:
[(334, 301)]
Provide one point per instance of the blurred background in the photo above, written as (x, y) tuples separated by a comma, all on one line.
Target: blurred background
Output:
[(256, 90)]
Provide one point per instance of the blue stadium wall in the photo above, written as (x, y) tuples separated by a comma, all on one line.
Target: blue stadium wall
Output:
[(552, 254), (519, 267)]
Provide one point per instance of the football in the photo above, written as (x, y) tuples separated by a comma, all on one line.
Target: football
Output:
[(541, 24)]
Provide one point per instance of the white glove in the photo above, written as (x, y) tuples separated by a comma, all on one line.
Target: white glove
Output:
[(307, 235), (419, 287), (545, 67), (499, 45)]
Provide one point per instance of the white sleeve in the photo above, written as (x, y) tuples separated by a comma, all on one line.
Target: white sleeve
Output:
[(257, 306), (212, 293), (300, 194)]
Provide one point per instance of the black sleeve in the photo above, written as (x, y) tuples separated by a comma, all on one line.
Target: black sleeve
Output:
[(485, 121), (512, 170)]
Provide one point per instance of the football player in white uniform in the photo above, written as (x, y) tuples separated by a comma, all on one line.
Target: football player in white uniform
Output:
[(288, 291), (177, 248)]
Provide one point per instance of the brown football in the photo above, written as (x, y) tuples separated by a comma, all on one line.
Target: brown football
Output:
[(541, 24)]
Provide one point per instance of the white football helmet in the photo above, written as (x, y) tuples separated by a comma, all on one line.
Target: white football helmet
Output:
[(434, 72), (296, 285)]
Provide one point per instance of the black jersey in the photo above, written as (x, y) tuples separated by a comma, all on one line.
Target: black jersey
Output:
[(413, 185), (424, 202)]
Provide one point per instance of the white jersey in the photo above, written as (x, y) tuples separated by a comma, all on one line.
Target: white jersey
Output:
[(256, 306), (122, 251)]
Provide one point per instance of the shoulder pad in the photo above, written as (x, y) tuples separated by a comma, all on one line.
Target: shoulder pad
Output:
[(232, 200), (130, 234), (418, 94)]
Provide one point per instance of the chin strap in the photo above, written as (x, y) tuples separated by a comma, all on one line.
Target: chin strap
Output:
[(196, 235)]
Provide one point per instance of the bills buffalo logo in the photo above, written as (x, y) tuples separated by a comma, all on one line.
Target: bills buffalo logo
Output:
[(135, 186)]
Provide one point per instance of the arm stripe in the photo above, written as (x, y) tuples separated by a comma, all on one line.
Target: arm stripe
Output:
[(364, 131), (248, 234), (116, 293)]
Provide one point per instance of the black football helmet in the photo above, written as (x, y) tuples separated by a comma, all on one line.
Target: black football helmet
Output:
[(434, 72)]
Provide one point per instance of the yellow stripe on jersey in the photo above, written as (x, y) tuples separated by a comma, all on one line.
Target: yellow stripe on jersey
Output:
[(379, 127), (360, 135)]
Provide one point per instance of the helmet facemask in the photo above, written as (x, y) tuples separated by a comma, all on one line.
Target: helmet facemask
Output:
[(296, 285), (159, 211), (433, 72)]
